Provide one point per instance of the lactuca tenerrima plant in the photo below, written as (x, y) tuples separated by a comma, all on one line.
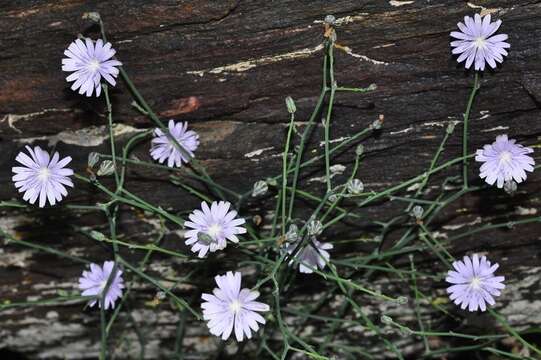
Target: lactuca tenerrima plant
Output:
[(296, 248)]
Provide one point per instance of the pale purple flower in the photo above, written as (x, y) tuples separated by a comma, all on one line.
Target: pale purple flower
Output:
[(230, 307), (88, 62), (504, 160), (212, 227), (474, 283), (476, 44), (164, 148), (93, 282), (42, 176), (311, 255)]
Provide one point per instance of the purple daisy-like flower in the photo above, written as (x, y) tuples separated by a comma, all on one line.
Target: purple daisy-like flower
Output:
[(93, 282), (504, 160), (474, 283), (88, 62), (230, 307), (42, 176), (311, 256), (164, 148), (476, 43), (212, 227)]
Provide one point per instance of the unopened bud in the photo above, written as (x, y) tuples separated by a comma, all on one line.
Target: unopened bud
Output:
[(204, 238), (93, 159), (291, 108), (260, 188), (292, 234), (330, 19), (401, 300), (450, 128), (510, 187), (359, 150), (355, 187), (96, 235), (106, 168), (271, 181), (377, 124), (417, 212), (93, 16), (314, 227), (387, 320), (372, 87)]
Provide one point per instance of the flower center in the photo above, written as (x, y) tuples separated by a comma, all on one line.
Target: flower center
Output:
[(94, 65), (214, 230), (235, 306), (475, 283), (44, 173), (505, 157), (480, 42)]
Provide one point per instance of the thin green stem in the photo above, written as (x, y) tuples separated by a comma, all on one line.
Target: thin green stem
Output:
[(465, 130)]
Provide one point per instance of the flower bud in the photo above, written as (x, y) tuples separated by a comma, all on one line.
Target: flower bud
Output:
[(330, 19), (93, 16), (450, 128), (314, 227), (106, 168), (510, 187), (359, 150), (93, 159), (355, 187), (96, 235), (292, 234), (387, 320), (260, 188), (291, 108), (204, 238), (401, 300), (271, 181), (417, 212), (377, 124), (372, 87)]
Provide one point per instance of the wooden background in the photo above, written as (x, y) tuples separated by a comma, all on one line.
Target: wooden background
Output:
[(226, 67)]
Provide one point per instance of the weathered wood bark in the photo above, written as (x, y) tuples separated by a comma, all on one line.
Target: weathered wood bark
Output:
[(226, 67)]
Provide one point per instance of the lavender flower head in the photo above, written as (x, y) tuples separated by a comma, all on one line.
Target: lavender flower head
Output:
[(476, 43), (93, 282), (42, 176), (212, 227), (164, 148), (311, 256), (474, 283), (504, 160), (230, 307), (88, 62)]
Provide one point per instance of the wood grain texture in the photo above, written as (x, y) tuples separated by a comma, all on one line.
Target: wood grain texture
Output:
[(226, 67)]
